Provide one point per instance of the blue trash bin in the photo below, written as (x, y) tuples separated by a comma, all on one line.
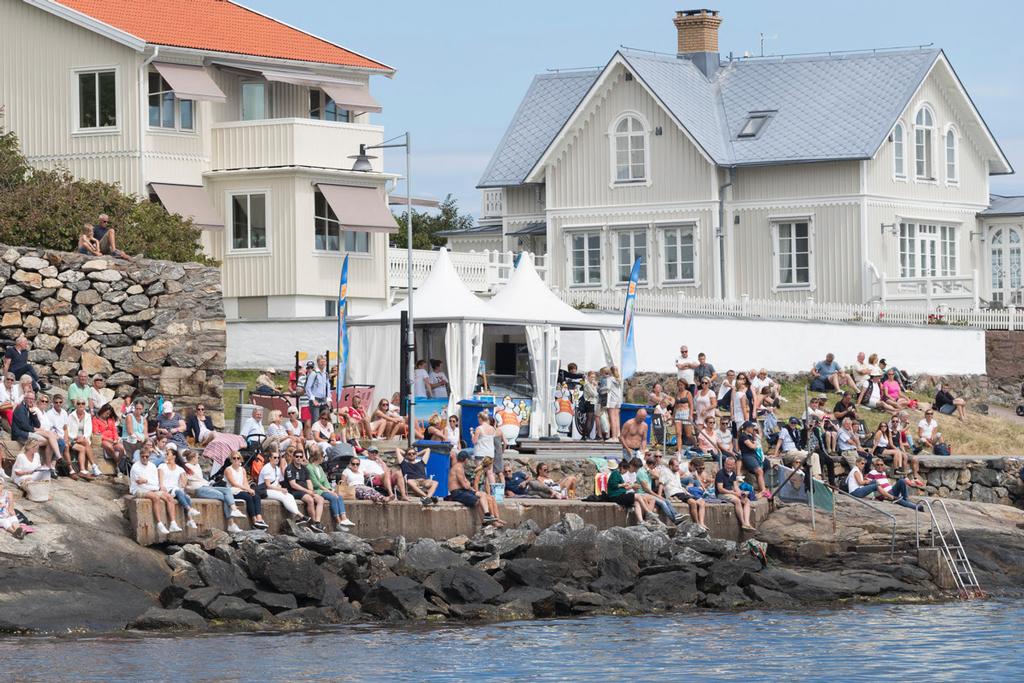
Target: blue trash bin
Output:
[(438, 464), (628, 412), (471, 407)]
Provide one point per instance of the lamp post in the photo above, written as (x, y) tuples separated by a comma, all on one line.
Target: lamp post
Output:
[(362, 164)]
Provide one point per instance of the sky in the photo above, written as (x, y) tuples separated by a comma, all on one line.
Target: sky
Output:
[(463, 66)]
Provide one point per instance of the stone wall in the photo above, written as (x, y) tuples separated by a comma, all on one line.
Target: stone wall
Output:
[(1004, 356), (983, 480), (151, 327)]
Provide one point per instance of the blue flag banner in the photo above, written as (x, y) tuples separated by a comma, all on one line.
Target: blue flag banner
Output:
[(628, 368), (342, 328)]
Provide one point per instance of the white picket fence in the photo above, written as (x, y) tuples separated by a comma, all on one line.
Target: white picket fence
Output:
[(876, 313), (482, 271)]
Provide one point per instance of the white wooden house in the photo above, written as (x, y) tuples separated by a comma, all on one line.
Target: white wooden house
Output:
[(225, 115), (843, 177)]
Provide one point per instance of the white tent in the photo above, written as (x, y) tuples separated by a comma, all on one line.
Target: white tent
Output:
[(526, 300), (442, 298)]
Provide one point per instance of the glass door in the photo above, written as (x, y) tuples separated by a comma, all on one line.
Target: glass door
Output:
[(1005, 264)]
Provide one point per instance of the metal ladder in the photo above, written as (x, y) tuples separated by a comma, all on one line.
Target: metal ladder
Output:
[(952, 550)]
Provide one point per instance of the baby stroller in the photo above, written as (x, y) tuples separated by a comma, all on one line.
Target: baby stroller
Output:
[(1020, 406)]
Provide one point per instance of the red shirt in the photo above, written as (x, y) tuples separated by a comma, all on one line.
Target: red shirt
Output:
[(107, 429)]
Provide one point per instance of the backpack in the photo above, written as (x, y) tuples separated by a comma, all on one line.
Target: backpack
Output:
[(255, 465)]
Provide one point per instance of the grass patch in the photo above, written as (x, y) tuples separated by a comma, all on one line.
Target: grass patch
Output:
[(977, 435)]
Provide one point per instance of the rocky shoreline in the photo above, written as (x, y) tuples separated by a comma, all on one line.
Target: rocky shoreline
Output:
[(306, 578)]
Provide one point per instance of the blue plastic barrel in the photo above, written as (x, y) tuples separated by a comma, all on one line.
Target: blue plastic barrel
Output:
[(468, 421), (438, 464)]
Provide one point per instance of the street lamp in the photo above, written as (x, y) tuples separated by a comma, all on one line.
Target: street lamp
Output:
[(362, 164)]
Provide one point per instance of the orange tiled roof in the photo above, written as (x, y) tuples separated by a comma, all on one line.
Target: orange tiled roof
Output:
[(217, 25)]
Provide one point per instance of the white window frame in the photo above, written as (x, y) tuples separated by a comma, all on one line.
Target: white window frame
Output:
[(899, 141), (177, 109), (586, 232), (76, 129), (645, 268), (613, 137), (954, 178), (777, 284), (229, 196), (928, 144), (662, 233), (918, 240), (266, 99), (342, 249)]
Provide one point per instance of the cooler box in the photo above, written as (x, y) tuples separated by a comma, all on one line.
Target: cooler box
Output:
[(468, 421), (438, 464), (628, 412)]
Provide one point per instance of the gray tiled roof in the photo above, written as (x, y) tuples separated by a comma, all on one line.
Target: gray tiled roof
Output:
[(999, 205), (547, 105), (839, 106)]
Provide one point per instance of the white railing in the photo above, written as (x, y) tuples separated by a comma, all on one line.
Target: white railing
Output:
[(875, 313), (482, 271), (491, 203), (960, 289)]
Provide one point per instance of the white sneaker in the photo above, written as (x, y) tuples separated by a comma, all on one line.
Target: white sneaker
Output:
[(192, 512), (174, 528), (95, 471), (346, 522), (235, 512), (192, 525), (234, 528), (161, 529)]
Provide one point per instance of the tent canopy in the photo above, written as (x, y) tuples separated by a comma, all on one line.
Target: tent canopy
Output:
[(442, 297), (527, 300)]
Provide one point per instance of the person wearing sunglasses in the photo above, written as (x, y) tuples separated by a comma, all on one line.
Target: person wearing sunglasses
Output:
[(271, 486), (238, 481), (197, 486), (80, 439), (297, 481), (103, 233), (200, 426)]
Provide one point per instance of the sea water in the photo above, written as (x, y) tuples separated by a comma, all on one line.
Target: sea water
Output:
[(957, 641)]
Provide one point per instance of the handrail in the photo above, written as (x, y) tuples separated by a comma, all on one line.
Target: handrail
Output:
[(947, 553), (892, 518)]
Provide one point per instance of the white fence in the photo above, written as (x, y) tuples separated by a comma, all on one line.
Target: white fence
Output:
[(876, 313), (482, 271)]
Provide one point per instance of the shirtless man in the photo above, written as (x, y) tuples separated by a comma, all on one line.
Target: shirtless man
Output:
[(633, 436), (460, 491)]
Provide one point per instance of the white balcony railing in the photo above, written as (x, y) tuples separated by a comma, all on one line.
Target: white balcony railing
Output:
[(482, 271), (491, 203), (271, 143), (874, 313)]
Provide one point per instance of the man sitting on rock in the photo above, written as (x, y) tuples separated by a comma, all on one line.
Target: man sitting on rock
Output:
[(107, 237), (826, 375), (669, 478), (460, 491), (413, 464), (727, 488), (515, 482), (16, 361), (25, 427)]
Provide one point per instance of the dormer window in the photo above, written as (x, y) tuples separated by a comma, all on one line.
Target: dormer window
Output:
[(629, 150)]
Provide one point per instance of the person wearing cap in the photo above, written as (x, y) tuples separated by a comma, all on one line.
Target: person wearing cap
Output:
[(99, 393), (171, 425), (265, 382), (318, 387), (748, 440), (200, 425), (790, 444)]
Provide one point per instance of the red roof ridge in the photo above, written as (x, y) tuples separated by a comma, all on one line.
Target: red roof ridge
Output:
[(220, 26)]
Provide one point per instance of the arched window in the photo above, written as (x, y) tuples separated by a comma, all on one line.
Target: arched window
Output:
[(629, 147), (924, 124), (952, 159), (899, 155), (1005, 264)]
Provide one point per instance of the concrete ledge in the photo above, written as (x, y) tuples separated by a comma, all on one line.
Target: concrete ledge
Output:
[(413, 521)]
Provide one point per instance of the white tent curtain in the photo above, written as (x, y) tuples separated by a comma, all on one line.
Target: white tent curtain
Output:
[(379, 368), (464, 343), (543, 343)]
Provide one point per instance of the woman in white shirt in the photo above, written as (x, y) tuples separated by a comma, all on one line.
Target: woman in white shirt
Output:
[(80, 434), (276, 433), (293, 426), (27, 467), (197, 485), (271, 485), (614, 383), (238, 481), (144, 482), (170, 477), (353, 476)]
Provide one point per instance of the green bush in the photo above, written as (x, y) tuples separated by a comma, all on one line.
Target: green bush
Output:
[(47, 209)]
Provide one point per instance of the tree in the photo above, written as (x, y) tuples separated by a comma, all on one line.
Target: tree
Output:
[(47, 209), (425, 226)]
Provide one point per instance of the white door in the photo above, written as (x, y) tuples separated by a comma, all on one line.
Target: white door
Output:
[(1005, 261), (928, 250)]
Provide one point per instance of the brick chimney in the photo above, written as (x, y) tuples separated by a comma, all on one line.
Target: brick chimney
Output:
[(697, 34)]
